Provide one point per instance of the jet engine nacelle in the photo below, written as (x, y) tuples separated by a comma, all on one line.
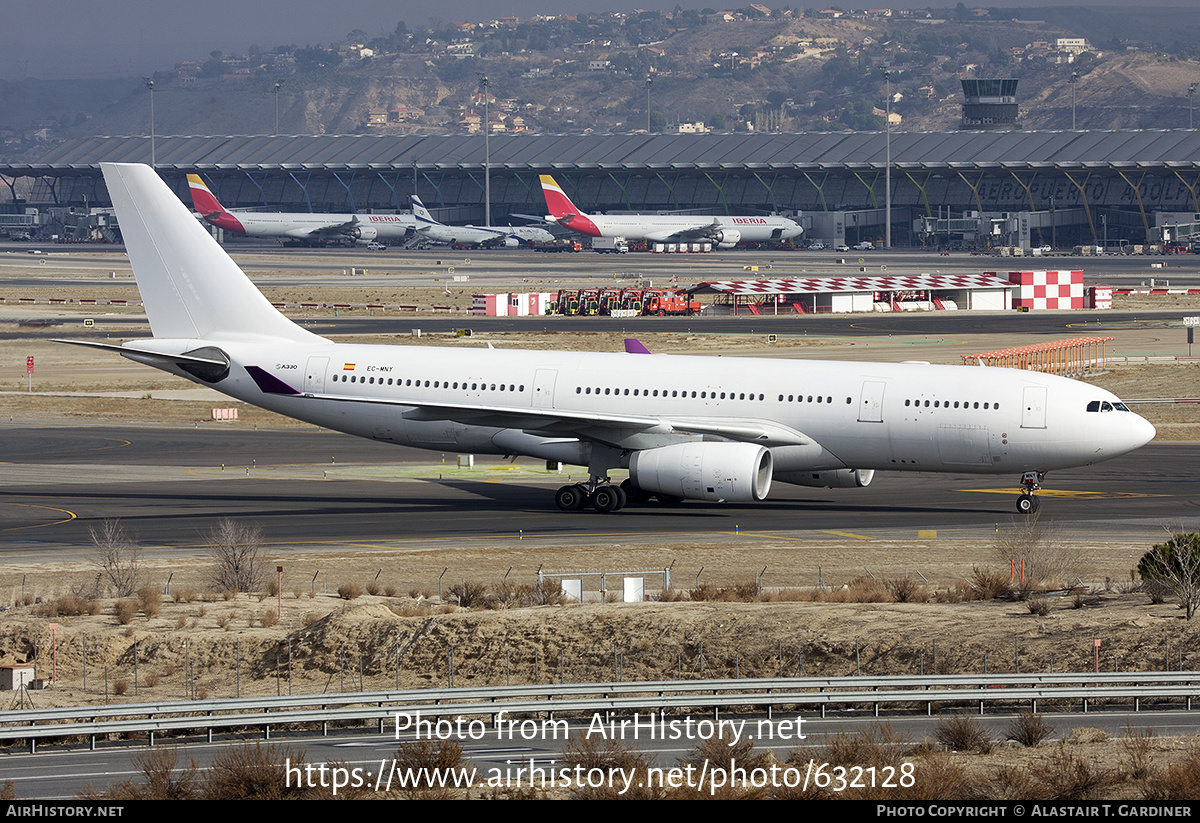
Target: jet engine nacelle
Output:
[(831, 479), (365, 234), (726, 238), (738, 472)]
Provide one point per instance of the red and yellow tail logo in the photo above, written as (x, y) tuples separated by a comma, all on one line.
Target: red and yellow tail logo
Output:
[(563, 210), (210, 208)]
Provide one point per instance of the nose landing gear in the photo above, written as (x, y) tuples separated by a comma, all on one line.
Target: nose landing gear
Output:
[(1031, 482)]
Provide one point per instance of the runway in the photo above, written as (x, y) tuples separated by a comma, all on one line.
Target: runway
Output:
[(313, 490)]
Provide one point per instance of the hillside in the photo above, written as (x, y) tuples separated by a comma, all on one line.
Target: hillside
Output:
[(789, 71)]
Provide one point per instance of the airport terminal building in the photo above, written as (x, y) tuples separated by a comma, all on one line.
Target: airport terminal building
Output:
[(961, 188)]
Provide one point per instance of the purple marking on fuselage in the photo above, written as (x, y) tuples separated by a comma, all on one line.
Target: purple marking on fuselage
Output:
[(269, 383), (635, 346)]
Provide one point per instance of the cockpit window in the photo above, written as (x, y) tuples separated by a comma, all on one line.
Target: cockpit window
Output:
[(1120, 407), (1094, 406)]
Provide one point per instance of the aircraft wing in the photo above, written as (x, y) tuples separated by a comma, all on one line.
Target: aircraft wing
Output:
[(598, 426), (347, 229), (700, 231)]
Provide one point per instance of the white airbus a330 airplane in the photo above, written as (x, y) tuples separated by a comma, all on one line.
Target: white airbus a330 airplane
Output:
[(703, 428), (723, 232), (359, 228), (438, 232)]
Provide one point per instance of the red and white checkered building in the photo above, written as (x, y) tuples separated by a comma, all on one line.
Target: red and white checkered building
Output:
[(1039, 290)]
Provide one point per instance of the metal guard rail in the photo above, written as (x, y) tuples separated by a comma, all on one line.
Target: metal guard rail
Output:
[(92, 722)]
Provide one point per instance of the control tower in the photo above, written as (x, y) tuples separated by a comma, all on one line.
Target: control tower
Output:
[(990, 104)]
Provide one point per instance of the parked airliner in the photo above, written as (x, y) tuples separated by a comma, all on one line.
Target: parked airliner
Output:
[(703, 428), (359, 228), (723, 232), (438, 232)]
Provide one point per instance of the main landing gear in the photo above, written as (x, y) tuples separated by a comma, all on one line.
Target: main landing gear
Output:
[(1030, 482), (602, 496)]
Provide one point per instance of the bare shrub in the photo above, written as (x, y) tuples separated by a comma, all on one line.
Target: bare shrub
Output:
[(1029, 729), (1065, 775), (389, 591), (470, 595), (223, 621), (256, 773), (1138, 745), (587, 752), (373, 588), (1041, 549), (1010, 783), (906, 590), (152, 679), (746, 591), (126, 608), (720, 753), (120, 687), (235, 549), (268, 618), (117, 555), (1178, 781), (350, 591), (149, 600), (987, 583), (865, 589), (163, 778), (1038, 605), (424, 757), (962, 733), (877, 745), (409, 608), (272, 587), (67, 605)]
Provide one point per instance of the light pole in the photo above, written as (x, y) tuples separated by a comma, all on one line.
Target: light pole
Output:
[(1053, 226), (1191, 91), (887, 163), (487, 156), (150, 85), (1074, 80), (649, 81), (278, 83)]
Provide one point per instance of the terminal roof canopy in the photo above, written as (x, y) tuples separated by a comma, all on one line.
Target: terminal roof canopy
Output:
[(679, 152)]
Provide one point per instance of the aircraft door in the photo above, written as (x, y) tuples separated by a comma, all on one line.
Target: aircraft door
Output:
[(870, 408), (314, 375), (1033, 408), (543, 388)]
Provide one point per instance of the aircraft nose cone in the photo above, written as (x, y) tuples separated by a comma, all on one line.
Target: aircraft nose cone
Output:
[(1141, 432)]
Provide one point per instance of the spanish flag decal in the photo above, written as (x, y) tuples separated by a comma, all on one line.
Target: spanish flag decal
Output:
[(348, 367)]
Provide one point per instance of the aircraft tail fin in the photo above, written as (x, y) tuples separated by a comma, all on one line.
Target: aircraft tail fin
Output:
[(557, 203), (203, 200), (190, 287), (420, 212)]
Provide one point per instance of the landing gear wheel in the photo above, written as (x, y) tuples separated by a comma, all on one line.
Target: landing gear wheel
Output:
[(606, 499), (570, 498), (1028, 504), (633, 494)]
